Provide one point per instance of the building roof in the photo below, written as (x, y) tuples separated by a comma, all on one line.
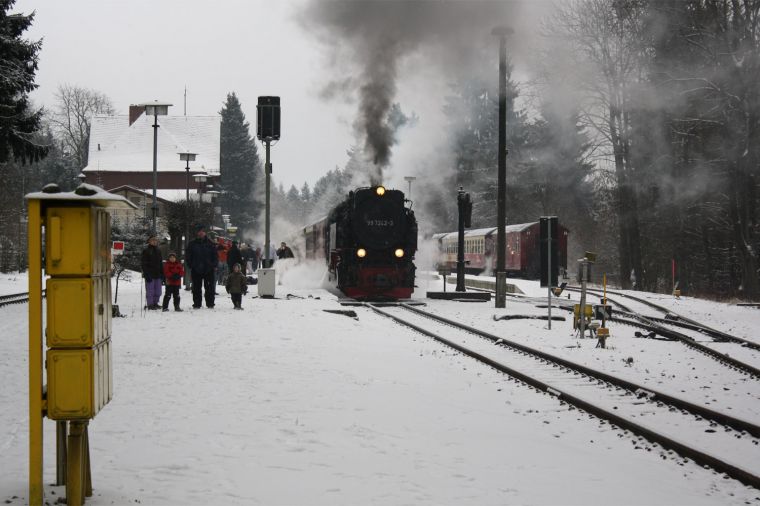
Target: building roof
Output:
[(84, 193), (161, 194), (478, 232), (117, 146)]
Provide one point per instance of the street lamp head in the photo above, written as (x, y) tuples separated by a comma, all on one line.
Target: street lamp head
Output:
[(409, 179), (157, 108), (187, 157), (81, 177), (200, 178)]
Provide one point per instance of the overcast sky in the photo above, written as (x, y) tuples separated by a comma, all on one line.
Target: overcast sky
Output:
[(142, 50)]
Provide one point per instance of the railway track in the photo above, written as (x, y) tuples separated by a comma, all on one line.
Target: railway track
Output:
[(711, 438), (16, 298), (674, 319), (658, 326)]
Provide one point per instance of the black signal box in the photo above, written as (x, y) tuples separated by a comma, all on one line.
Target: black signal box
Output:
[(548, 228), (268, 118)]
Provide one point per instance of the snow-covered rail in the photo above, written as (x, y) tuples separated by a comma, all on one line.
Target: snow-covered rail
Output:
[(727, 444), (670, 317), (15, 298)]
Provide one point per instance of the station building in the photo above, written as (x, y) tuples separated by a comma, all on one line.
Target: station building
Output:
[(121, 161)]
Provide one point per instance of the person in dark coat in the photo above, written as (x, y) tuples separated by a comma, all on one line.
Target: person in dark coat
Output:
[(234, 256), (237, 286), (248, 266), (202, 260), (284, 251), (152, 271)]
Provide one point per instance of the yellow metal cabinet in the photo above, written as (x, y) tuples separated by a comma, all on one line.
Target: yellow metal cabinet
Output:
[(77, 241), (78, 311), (79, 382)]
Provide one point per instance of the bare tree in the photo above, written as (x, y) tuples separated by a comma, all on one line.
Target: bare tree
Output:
[(72, 117), (609, 58)]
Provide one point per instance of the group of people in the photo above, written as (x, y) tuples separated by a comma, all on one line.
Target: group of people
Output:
[(202, 260)]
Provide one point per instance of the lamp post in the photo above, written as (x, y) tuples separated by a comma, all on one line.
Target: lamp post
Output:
[(154, 109), (409, 180), (225, 221), (187, 157), (213, 194), (200, 179), (501, 191)]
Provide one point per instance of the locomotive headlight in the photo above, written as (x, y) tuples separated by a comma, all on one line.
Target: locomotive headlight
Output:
[(399, 253), (361, 252), (380, 190)]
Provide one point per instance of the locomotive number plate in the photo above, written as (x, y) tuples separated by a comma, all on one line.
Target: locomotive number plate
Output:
[(380, 223)]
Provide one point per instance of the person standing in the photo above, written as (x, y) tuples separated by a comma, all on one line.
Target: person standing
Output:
[(173, 272), (221, 252), (152, 271), (235, 256), (202, 260), (237, 286), (284, 251), (247, 253)]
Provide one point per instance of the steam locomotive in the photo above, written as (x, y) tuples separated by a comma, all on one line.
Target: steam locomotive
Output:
[(368, 241)]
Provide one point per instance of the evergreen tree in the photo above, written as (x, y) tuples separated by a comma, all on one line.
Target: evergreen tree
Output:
[(294, 205), (18, 65), (241, 168), (306, 199), (473, 112)]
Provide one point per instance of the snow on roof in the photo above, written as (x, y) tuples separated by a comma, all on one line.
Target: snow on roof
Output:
[(83, 193), (170, 195), (117, 146)]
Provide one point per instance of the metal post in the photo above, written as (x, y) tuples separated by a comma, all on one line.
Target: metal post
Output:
[(584, 264), (268, 170), (501, 191), (155, 169), (549, 269), (34, 246), (460, 242), (186, 243), (74, 469), (61, 432)]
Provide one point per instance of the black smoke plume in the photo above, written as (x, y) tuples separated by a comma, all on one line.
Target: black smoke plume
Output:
[(369, 39)]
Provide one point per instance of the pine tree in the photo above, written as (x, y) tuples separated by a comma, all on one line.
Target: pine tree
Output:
[(240, 167), (473, 112), (18, 65)]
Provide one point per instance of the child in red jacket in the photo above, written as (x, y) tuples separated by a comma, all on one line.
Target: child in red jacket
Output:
[(173, 273)]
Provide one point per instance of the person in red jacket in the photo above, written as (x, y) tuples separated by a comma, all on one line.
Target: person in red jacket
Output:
[(173, 273)]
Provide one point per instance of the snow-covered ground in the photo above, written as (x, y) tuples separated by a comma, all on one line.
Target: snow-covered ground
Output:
[(283, 403)]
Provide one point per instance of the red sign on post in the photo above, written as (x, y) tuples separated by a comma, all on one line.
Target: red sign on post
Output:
[(117, 248)]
